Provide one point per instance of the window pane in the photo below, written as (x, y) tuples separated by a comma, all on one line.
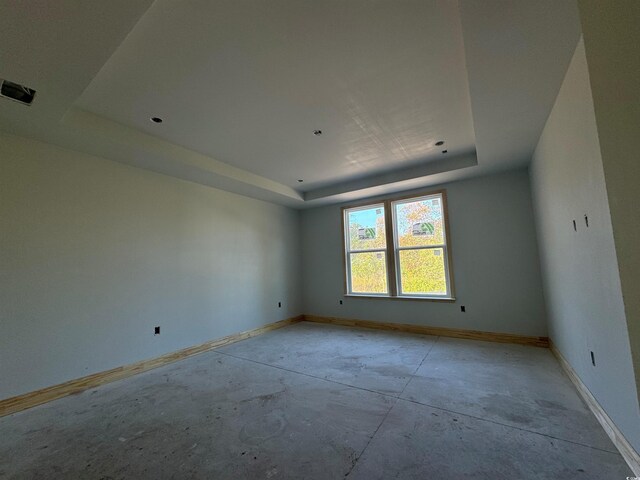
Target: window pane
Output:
[(422, 271), (368, 272), (366, 228), (420, 223)]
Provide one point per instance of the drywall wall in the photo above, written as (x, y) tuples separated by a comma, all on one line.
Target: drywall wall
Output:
[(612, 41), (94, 254), (495, 263), (580, 269)]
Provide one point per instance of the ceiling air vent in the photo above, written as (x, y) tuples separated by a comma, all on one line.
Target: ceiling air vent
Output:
[(17, 92)]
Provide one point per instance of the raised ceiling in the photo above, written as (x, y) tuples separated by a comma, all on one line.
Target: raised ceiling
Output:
[(242, 84)]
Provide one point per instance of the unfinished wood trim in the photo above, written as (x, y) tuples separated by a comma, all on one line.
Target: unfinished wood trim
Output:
[(622, 444), (31, 399), (439, 331)]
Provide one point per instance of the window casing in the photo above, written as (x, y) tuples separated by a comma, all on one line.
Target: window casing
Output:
[(399, 248)]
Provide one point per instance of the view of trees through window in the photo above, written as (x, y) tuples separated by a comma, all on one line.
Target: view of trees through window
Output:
[(421, 224), (367, 232), (419, 246)]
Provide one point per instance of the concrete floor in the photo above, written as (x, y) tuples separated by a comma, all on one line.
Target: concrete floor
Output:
[(314, 401)]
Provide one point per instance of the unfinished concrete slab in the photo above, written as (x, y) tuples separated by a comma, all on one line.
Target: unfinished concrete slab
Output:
[(210, 416), (520, 386), (417, 442), (284, 411), (364, 358)]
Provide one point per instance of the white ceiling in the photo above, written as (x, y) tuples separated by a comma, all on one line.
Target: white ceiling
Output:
[(241, 85)]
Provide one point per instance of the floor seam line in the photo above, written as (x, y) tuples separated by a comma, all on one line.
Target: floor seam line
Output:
[(355, 462), (395, 396), (418, 368), (398, 397), (507, 426), (390, 408)]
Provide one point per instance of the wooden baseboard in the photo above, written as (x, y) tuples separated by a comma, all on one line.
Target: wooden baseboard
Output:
[(31, 399), (440, 331), (626, 450)]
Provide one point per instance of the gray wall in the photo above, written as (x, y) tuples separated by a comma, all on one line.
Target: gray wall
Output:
[(580, 269), (495, 262), (94, 254), (612, 37)]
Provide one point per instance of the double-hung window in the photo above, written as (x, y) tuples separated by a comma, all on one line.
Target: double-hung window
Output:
[(399, 248), (366, 250)]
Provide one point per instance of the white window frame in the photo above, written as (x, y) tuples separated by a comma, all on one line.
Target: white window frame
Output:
[(348, 252), (397, 248), (392, 249)]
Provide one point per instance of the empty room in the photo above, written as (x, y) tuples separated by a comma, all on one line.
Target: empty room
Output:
[(319, 239)]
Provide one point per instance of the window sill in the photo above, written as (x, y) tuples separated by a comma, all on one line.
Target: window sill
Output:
[(404, 297)]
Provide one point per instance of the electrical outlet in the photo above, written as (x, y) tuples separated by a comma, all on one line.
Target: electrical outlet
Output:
[(156, 331)]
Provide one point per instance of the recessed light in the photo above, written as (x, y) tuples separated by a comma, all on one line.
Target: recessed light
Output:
[(317, 132), (300, 181), (445, 151), (439, 143), (156, 119)]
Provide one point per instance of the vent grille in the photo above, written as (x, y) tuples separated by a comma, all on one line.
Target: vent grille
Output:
[(17, 92)]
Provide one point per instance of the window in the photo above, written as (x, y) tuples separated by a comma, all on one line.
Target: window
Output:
[(399, 248)]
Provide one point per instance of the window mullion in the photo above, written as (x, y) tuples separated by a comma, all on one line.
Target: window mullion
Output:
[(424, 247), (370, 250), (391, 254)]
